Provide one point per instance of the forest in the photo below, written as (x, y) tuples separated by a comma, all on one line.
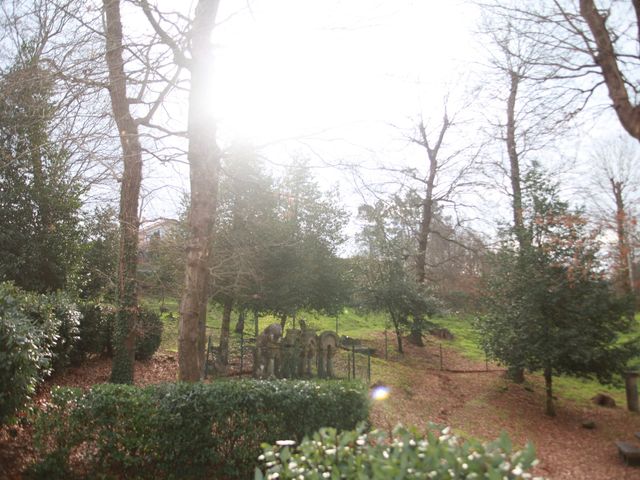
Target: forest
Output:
[(433, 206)]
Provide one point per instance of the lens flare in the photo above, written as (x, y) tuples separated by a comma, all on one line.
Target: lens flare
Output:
[(380, 393)]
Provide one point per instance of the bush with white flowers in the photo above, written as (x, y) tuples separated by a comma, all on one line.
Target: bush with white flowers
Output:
[(407, 454)]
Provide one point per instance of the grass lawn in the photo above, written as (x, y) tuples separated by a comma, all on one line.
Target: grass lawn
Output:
[(580, 390), (351, 323), (348, 322)]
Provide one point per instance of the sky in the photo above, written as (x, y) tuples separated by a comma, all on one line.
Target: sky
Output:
[(337, 81), (345, 82)]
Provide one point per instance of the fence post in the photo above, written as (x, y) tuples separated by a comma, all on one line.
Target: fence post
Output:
[(348, 365), (353, 360), (441, 359), (369, 365), (241, 351), (386, 345)]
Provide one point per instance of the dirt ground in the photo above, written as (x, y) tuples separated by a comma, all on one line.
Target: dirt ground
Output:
[(483, 404), (479, 403)]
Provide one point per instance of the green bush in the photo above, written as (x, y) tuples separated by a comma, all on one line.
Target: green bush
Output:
[(22, 361), (96, 323), (96, 331), (25, 352), (186, 430), (408, 454), (65, 320), (38, 334), (149, 334)]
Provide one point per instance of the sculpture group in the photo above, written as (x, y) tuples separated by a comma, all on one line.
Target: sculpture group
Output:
[(296, 355)]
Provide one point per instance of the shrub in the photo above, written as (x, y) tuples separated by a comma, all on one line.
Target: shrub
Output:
[(408, 454), (96, 331), (96, 321), (25, 355), (187, 430), (149, 334), (65, 320)]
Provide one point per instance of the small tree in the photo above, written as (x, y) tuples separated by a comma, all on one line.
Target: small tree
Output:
[(386, 283), (549, 306)]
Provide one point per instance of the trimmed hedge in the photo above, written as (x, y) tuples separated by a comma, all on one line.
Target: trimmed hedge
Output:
[(185, 430), (408, 455)]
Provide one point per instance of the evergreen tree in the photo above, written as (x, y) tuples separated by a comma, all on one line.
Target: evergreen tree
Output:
[(39, 197), (549, 305)]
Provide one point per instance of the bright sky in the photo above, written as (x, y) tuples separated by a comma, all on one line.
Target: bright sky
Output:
[(287, 68), (339, 80)]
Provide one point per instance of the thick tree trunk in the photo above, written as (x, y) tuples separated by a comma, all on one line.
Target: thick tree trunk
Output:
[(124, 333), (224, 331), (204, 161), (548, 383), (605, 57)]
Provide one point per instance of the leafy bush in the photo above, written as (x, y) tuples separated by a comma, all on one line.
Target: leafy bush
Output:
[(149, 334), (65, 320), (186, 430), (23, 361), (38, 334), (96, 325), (96, 331), (408, 454)]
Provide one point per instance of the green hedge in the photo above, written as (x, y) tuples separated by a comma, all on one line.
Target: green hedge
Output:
[(407, 455), (185, 430)]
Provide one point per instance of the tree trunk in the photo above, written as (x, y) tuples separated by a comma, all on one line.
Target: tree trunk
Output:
[(124, 333), (515, 373), (605, 57), (283, 321), (624, 267), (514, 160), (548, 383), (224, 331), (396, 326), (241, 318), (204, 161)]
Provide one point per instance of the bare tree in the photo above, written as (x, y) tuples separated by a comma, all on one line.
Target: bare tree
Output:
[(591, 46), (617, 191), (204, 161)]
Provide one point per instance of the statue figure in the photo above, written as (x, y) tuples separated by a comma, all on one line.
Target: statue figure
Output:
[(327, 347), (267, 353)]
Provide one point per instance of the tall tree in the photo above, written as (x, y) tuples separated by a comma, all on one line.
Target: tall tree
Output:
[(591, 46), (549, 307), (204, 157), (613, 194), (124, 333), (128, 127), (39, 195)]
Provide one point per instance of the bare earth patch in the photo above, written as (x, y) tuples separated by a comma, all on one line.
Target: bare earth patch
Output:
[(480, 404)]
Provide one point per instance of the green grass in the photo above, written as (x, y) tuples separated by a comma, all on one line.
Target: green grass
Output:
[(349, 322), (465, 337), (353, 324)]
